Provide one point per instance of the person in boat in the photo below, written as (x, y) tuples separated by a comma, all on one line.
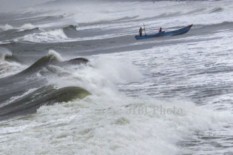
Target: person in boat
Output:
[(160, 29), (140, 31)]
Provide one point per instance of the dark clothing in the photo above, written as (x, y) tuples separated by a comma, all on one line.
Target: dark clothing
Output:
[(160, 29), (140, 31)]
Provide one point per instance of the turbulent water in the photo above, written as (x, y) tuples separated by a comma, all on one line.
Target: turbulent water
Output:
[(73, 79)]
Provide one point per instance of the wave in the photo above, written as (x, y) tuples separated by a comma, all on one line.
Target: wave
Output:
[(27, 26), (38, 91), (31, 70), (9, 64), (70, 30), (4, 53), (70, 27), (39, 64), (9, 67), (52, 59), (217, 9), (12, 34), (6, 27), (28, 79), (45, 37), (43, 96), (34, 76)]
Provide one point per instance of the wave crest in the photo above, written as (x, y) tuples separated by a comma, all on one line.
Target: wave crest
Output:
[(27, 26), (43, 96), (45, 37)]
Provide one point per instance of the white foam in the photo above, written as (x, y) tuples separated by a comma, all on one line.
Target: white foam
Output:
[(102, 72), (117, 124), (6, 27), (47, 36), (109, 125), (56, 54), (109, 122), (27, 26), (7, 68), (117, 69)]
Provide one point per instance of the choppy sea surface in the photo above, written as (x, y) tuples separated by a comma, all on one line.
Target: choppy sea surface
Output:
[(74, 81)]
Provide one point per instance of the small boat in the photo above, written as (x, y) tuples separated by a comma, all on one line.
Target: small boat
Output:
[(163, 33)]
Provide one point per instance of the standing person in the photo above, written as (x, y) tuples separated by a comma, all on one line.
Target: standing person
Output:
[(160, 29), (140, 31)]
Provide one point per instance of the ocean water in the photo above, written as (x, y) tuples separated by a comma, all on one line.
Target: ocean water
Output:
[(74, 81)]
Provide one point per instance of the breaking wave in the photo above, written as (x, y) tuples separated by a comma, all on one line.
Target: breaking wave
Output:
[(6, 27), (46, 95), (24, 27), (8, 63), (46, 37), (36, 77), (121, 102)]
